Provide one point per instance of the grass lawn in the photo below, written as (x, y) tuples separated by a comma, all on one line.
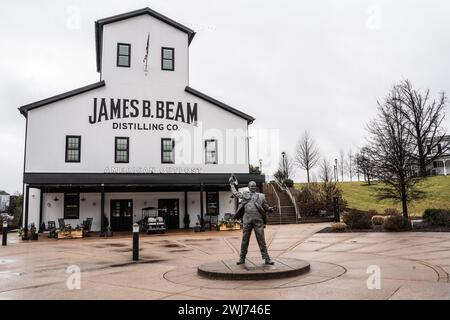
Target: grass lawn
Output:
[(361, 196)]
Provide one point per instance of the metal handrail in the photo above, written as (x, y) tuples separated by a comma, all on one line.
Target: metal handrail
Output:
[(291, 197), (278, 200)]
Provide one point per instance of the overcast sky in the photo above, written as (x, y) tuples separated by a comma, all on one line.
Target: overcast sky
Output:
[(294, 65)]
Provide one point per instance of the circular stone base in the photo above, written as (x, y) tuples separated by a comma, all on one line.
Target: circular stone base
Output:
[(253, 269)]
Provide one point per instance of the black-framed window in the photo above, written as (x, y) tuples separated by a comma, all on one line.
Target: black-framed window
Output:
[(167, 150), (73, 148), (211, 151), (438, 164), (123, 55), (71, 205), (212, 203), (122, 150), (168, 59)]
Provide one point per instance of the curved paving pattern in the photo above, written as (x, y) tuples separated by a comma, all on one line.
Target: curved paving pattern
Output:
[(319, 272), (410, 266)]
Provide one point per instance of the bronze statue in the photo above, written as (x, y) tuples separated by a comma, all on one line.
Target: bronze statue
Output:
[(252, 210)]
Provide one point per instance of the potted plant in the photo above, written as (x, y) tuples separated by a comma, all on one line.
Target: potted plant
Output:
[(33, 232), (109, 232), (21, 232), (68, 232), (229, 225), (197, 227)]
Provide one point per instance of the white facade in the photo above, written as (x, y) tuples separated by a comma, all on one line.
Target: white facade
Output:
[(145, 104), (441, 165), (4, 201)]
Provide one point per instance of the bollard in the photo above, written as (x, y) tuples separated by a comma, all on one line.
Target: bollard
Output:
[(5, 233), (135, 242), (337, 217)]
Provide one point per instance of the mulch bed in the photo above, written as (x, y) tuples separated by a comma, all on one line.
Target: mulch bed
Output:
[(417, 227)]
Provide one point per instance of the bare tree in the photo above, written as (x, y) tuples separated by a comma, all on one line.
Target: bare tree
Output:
[(392, 150), (364, 165), (349, 164), (306, 153), (326, 171), (285, 168), (341, 163), (425, 116)]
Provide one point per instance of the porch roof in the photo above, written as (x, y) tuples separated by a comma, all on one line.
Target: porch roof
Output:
[(154, 180)]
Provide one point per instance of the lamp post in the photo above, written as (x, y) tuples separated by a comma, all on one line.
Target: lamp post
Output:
[(135, 242), (260, 165), (5, 233), (283, 155), (336, 169)]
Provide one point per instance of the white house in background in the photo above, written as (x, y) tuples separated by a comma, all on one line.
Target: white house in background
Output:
[(441, 165), (139, 137), (4, 200)]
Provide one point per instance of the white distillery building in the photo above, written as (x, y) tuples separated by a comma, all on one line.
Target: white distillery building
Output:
[(139, 137)]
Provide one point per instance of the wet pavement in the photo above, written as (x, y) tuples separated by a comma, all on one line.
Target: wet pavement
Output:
[(410, 265)]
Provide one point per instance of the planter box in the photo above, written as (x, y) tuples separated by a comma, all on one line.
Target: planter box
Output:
[(74, 234), (225, 228)]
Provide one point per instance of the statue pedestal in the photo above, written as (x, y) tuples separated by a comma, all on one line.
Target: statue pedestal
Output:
[(253, 269)]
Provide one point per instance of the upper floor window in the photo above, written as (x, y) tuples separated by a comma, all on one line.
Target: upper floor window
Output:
[(123, 54), (211, 151), (73, 148), (167, 150), (168, 59), (122, 149)]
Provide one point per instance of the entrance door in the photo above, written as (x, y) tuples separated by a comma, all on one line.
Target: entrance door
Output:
[(172, 215), (121, 215)]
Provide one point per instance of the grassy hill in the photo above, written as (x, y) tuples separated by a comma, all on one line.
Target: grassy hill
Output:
[(361, 196)]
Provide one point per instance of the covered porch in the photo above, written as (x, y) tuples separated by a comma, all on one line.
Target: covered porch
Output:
[(117, 200)]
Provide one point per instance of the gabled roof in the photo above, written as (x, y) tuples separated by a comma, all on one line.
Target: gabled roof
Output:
[(3, 193), (100, 23), (24, 109), (222, 105)]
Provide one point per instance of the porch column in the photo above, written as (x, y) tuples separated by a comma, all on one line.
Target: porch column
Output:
[(102, 210), (27, 202), (202, 228), (40, 208), (186, 213), (445, 168)]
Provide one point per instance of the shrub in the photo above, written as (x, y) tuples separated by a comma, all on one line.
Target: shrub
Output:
[(357, 219), (338, 226), (308, 201), (396, 223), (314, 197), (378, 220), (391, 212), (288, 183), (437, 217)]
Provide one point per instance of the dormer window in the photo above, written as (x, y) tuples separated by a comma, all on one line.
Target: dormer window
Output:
[(167, 59), (123, 55)]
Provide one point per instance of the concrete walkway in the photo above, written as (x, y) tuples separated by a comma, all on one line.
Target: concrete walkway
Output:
[(343, 266)]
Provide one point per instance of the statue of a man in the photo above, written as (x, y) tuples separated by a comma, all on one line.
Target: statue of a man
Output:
[(252, 210)]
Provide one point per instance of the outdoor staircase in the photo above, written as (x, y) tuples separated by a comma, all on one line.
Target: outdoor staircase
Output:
[(273, 192)]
